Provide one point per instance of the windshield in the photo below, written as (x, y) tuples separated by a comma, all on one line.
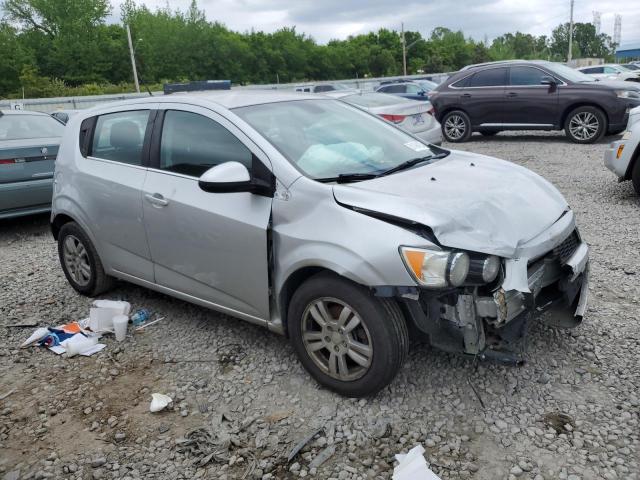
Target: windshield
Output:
[(328, 138), (23, 126), (623, 68), (631, 67), (372, 100), (427, 85), (569, 73)]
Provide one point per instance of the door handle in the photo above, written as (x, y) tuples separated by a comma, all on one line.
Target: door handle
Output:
[(156, 199), (512, 94), (466, 95)]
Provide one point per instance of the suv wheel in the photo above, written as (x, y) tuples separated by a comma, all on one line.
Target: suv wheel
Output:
[(80, 261), (585, 125), (347, 339), (456, 126)]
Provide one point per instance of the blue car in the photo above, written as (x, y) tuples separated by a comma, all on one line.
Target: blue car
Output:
[(413, 90), (28, 147)]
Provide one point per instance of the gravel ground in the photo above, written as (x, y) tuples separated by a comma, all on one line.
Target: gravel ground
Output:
[(571, 412)]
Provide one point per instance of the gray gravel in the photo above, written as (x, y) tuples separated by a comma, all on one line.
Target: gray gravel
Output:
[(241, 401)]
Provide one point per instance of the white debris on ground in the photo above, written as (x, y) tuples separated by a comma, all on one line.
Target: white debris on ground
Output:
[(241, 401)]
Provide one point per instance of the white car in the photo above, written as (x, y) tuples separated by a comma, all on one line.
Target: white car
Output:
[(413, 116), (612, 72), (622, 156)]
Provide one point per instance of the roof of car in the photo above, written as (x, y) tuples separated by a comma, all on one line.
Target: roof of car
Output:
[(245, 97), (502, 62)]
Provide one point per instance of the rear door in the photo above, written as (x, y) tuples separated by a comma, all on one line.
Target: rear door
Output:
[(111, 178), (212, 246), (482, 97), (527, 101)]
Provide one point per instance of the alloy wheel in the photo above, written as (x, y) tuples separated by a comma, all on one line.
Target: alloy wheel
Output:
[(455, 127), (584, 126), (336, 339), (76, 259)]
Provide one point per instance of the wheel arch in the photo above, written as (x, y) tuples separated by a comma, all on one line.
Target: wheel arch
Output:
[(58, 222), (635, 158), (448, 109), (573, 106)]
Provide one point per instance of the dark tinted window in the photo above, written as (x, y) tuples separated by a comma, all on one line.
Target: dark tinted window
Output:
[(323, 88), (119, 136), (593, 70), (493, 77), (526, 76), (395, 89), (191, 144)]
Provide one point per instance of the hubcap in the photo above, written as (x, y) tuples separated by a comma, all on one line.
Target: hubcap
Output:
[(584, 125), (76, 259), (455, 127), (336, 339)]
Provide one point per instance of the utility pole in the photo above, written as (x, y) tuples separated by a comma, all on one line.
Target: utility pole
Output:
[(570, 54), (404, 53), (133, 60)]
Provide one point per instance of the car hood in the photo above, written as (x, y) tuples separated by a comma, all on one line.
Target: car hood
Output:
[(470, 201), (620, 84)]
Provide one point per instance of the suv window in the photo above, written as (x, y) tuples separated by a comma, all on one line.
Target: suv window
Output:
[(119, 136), (526, 76), (191, 144), (593, 70), (493, 77)]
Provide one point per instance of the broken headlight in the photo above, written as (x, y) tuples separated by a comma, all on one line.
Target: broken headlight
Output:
[(483, 269), (436, 268)]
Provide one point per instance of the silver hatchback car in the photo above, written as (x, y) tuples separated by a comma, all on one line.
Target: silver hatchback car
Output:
[(319, 221)]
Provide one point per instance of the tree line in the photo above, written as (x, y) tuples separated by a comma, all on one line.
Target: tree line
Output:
[(56, 48)]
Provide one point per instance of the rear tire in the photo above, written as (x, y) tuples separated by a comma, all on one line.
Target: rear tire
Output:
[(585, 125), (328, 315), (80, 262), (456, 126)]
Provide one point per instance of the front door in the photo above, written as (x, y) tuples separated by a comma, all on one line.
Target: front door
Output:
[(527, 101), (212, 246)]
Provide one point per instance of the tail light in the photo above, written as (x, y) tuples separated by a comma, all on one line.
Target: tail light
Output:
[(393, 118), (10, 161)]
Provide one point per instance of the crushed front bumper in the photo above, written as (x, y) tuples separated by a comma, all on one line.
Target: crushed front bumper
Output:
[(493, 322)]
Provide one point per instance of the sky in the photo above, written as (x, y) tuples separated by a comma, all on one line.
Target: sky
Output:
[(336, 19)]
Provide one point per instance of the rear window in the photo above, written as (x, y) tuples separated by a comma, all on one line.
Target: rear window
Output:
[(25, 126), (372, 100), (119, 136), (493, 77)]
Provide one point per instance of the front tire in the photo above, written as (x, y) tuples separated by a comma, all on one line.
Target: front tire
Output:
[(80, 262), (456, 126), (348, 340), (585, 125)]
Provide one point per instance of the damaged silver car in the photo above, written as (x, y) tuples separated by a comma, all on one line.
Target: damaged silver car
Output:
[(320, 222)]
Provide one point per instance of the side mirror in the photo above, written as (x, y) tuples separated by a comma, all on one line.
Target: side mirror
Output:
[(227, 177), (548, 80), (422, 93)]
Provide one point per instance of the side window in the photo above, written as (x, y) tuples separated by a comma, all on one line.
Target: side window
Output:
[(462, 83), (593, 70), (413, 89), (493, 77), (610, 70), (526, 76), (396, 89), (191, 144), (383, 89), (119, 136)]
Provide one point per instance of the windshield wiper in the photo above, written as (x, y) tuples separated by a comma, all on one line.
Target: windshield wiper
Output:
[(348, 177), (413, 162)]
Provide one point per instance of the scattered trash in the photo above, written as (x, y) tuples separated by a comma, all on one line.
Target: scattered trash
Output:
[(35, 337), (147, 324), (120, 323), (140, 317), (78, 344), (204, 446), (277, 416), (5, 395), (413, 466), (301, 444), (560, 422), (323, 456), (159, 402)]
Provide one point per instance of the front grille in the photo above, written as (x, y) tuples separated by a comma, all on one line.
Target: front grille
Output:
[(568, 246)]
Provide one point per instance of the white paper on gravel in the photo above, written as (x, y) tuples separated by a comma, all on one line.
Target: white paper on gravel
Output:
[(413, 466)]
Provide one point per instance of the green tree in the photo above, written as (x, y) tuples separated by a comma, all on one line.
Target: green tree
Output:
[(586, 43)]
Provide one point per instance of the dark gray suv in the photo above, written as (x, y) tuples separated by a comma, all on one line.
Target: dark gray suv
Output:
[(531, 95)]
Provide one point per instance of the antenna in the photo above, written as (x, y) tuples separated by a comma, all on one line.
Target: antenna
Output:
[(617, 29), (597, 17)]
